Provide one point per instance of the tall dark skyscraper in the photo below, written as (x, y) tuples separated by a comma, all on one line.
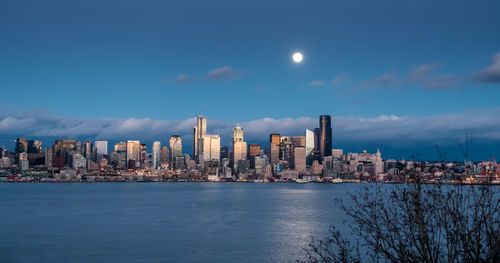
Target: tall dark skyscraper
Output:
[(316, 150), (325, 140)]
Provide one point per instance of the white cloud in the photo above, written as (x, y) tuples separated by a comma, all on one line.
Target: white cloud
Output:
[(481, 124), (316, 83), (224, 73)]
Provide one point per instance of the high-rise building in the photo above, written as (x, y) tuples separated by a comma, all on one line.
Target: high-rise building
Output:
[(143, 155), (224, 152), (195, 142), (121, 147), (274, 145), (102, 147), (379, 164), (200, 130), (299, 159), (133, 152), (253, 151), (21, 147), (286, 150), (239, 145), (87, 152), (48, 157), (298, 140), (309, 141), (325, 140), (164, 155), (62, 148), (77, 160), (316, 151), (175, 148), (23, 161), (156, 154), (259, 164), (211, 147), (34, 146)]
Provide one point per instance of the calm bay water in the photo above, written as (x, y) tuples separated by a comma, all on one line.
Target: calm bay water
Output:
[(164, 222)]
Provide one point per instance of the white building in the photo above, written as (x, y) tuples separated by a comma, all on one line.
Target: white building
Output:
[(309, 141), (156, 154), (78, 161), (102, 147), (211, 147)]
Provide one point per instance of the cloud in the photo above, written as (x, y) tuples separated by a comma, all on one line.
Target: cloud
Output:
[(224, 73), (384, 129), (316, 83), (490, 74), (182, 78), (441, 82), (383, 80), (339, 79), (421, 73)]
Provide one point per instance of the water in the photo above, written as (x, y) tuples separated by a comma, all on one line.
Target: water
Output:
[(164, 222)]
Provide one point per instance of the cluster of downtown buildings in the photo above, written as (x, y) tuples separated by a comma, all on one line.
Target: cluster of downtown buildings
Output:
[(302, 158)]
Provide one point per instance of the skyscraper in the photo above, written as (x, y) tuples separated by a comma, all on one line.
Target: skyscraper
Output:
[(21, 147), (286, 150), (34, 146), (133, 151), (48, 157), (62, 148), (299, 159), (87, 152), (274, 145), (309, 141), (239, 145), (121, 147), (211, 147), (325, 127), (224, 152), (316, 151), (102, 147), (195, 143), (200, 131), (175, 148), (156, 154), (164, 155), (253, 151)]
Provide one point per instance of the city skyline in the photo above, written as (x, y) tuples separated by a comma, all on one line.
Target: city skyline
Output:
[(302, 158), (346, 138), (249, 131)]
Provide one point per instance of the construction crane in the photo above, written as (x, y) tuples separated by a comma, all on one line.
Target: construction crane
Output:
[(442, 155), (466, 151)]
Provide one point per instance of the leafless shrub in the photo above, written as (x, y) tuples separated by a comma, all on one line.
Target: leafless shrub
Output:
[(415, 223)]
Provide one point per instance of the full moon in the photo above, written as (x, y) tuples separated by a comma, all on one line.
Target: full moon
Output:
[(297, 57)]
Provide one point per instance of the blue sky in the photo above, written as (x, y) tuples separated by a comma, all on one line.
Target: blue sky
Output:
[(230, 60)]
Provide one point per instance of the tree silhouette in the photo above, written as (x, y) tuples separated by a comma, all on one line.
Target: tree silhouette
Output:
[(415, 223)]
